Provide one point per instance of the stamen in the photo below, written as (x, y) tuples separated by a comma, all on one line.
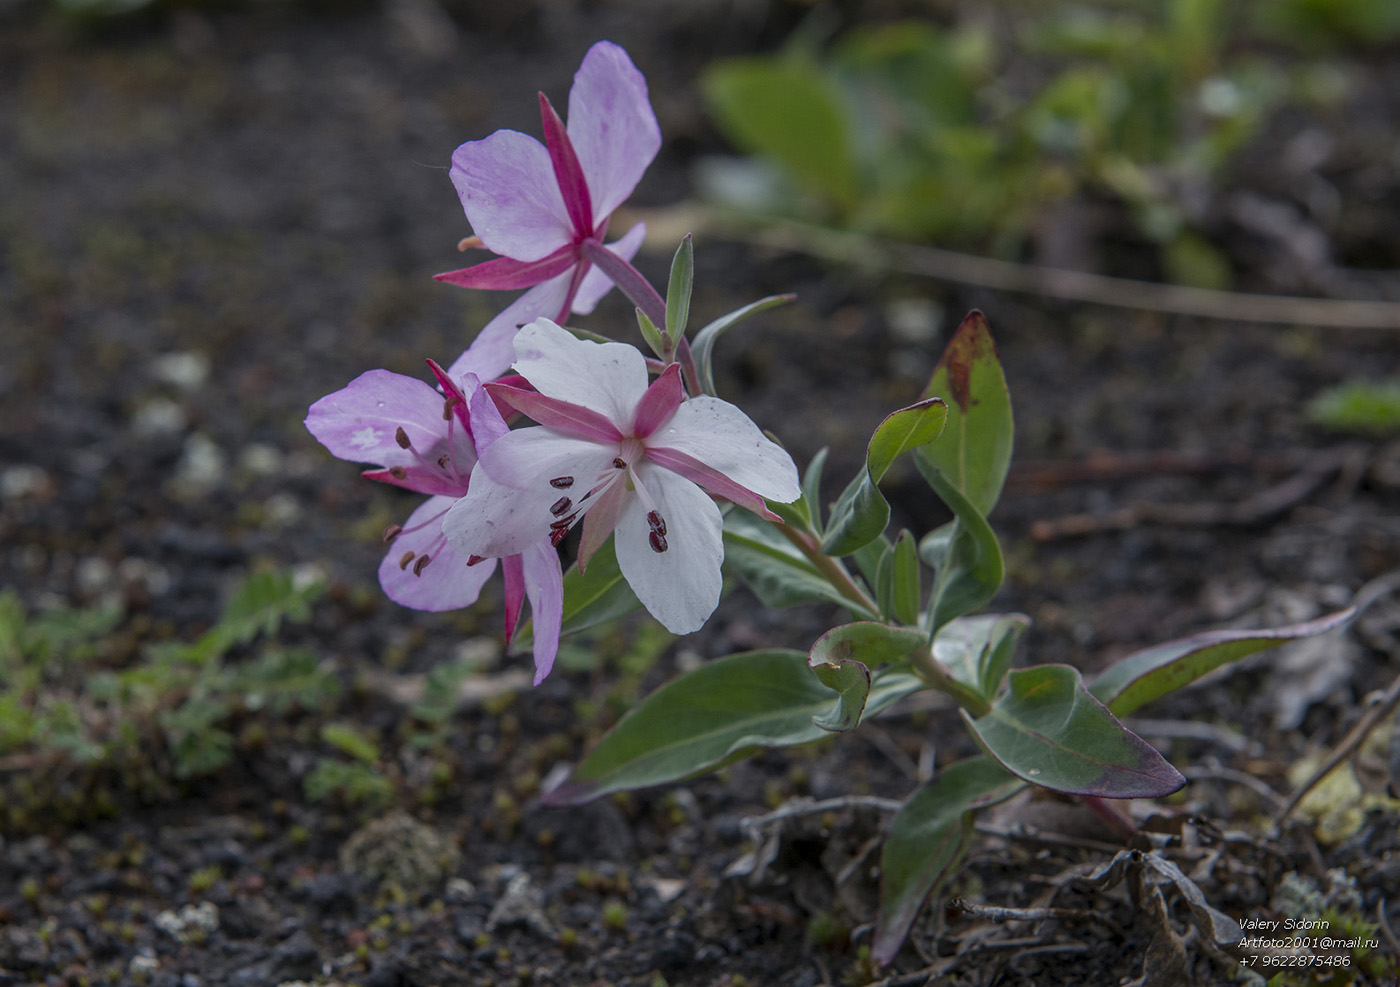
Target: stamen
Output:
[(619, 463), (560, 506), (401, 437), (443, 460), (474, 559), (405, 559), (658, 541), (562, 482), (398, 472), (447, 407), (558, 535), (392, 532), (421, 564), (657, 522), (563, 522)]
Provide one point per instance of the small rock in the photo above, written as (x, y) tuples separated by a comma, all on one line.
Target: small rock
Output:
[(398, 849), (521, 904), (193, 923)]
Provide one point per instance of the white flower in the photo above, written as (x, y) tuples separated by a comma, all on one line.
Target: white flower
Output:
[(616, 455)]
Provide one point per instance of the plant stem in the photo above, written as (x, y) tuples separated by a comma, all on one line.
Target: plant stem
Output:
[(832, 569), (933, 672), (1117, 819)]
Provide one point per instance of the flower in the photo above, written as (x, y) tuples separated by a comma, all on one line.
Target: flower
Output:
[(615, 454), (428, 441), (544, 208)]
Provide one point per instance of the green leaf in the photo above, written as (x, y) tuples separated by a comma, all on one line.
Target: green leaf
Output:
[(591, 598), (965, 554), (678, 289), (868, 642), (787, 110), (906, 591), (851, 681), (974, 450), (349, 739), (703, 346), (812, 489), (861, 513), (926, 841), (977, 650), (776, 571), (651, 334), (1146, 675), (1049, 730), (709, 716)]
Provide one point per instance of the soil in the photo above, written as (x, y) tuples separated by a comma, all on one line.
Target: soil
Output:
[(217, 214)]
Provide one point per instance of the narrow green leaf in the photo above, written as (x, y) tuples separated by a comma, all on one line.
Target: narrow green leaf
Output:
[(977, 650), (703, 345), (591, 598), (678, 289), (861, 513), (651, 334), (869, 557), (1146, 675), (1050, 730), (812, 489), (906, 591), (974, 450), (710, 716), (966, 555), (927, 840), (776, 571), (851, 681)]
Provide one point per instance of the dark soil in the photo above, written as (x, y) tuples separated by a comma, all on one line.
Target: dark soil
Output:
[(262, 194)]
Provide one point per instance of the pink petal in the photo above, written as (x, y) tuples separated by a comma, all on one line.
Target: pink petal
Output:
[(583, 423), (721, 437), (513, 575), (544, 585), (601, 519), (506, 273), (595, 283), (659, 403), (609, 378), (612, 126), (508, 190), (572, 185), (445, 583), (680, 586)]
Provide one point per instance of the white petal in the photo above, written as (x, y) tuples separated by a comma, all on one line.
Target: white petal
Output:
[(609, 378), (680, 586), (725, 439), (529, 458)]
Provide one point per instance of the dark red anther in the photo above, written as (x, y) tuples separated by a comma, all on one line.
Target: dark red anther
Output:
[(392, 532), (405, 559), (620, 463), (421, 564), (657, 522), (398, 472), (447, 406), (562, 482), (401, 437), (443, 460), (658, 541), (563, 522), (474, 559), (558, 535), (560, 506)]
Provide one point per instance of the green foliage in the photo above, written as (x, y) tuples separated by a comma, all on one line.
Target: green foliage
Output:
[(918, 132), (355, 783), (1358, 406)]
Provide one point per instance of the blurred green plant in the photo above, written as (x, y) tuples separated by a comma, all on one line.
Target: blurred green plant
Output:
[(957, 135), (1358, 406)]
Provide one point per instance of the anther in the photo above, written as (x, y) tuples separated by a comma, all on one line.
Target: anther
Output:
[(620, 463), (421, 564), (443, 460), (562, 482), (563, 523), (657, 522), (401, 437), (447, 407), (392, 532), (558, 535), (474, 559), (560, 506), (657, 540), (405, 559), (398, 472)]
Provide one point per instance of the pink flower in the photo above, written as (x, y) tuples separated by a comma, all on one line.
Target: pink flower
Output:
[(429, 441), (615, 454), (544, 208)]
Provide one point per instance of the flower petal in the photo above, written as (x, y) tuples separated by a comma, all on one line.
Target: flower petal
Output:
[(576, 420), (447, 582), (681, 585), (506, 273), (507, 187), (612, 126), (659, 403), (544, 585), (722, 437), (361, 421), (493, 350), (595, 283), (607, 377)]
